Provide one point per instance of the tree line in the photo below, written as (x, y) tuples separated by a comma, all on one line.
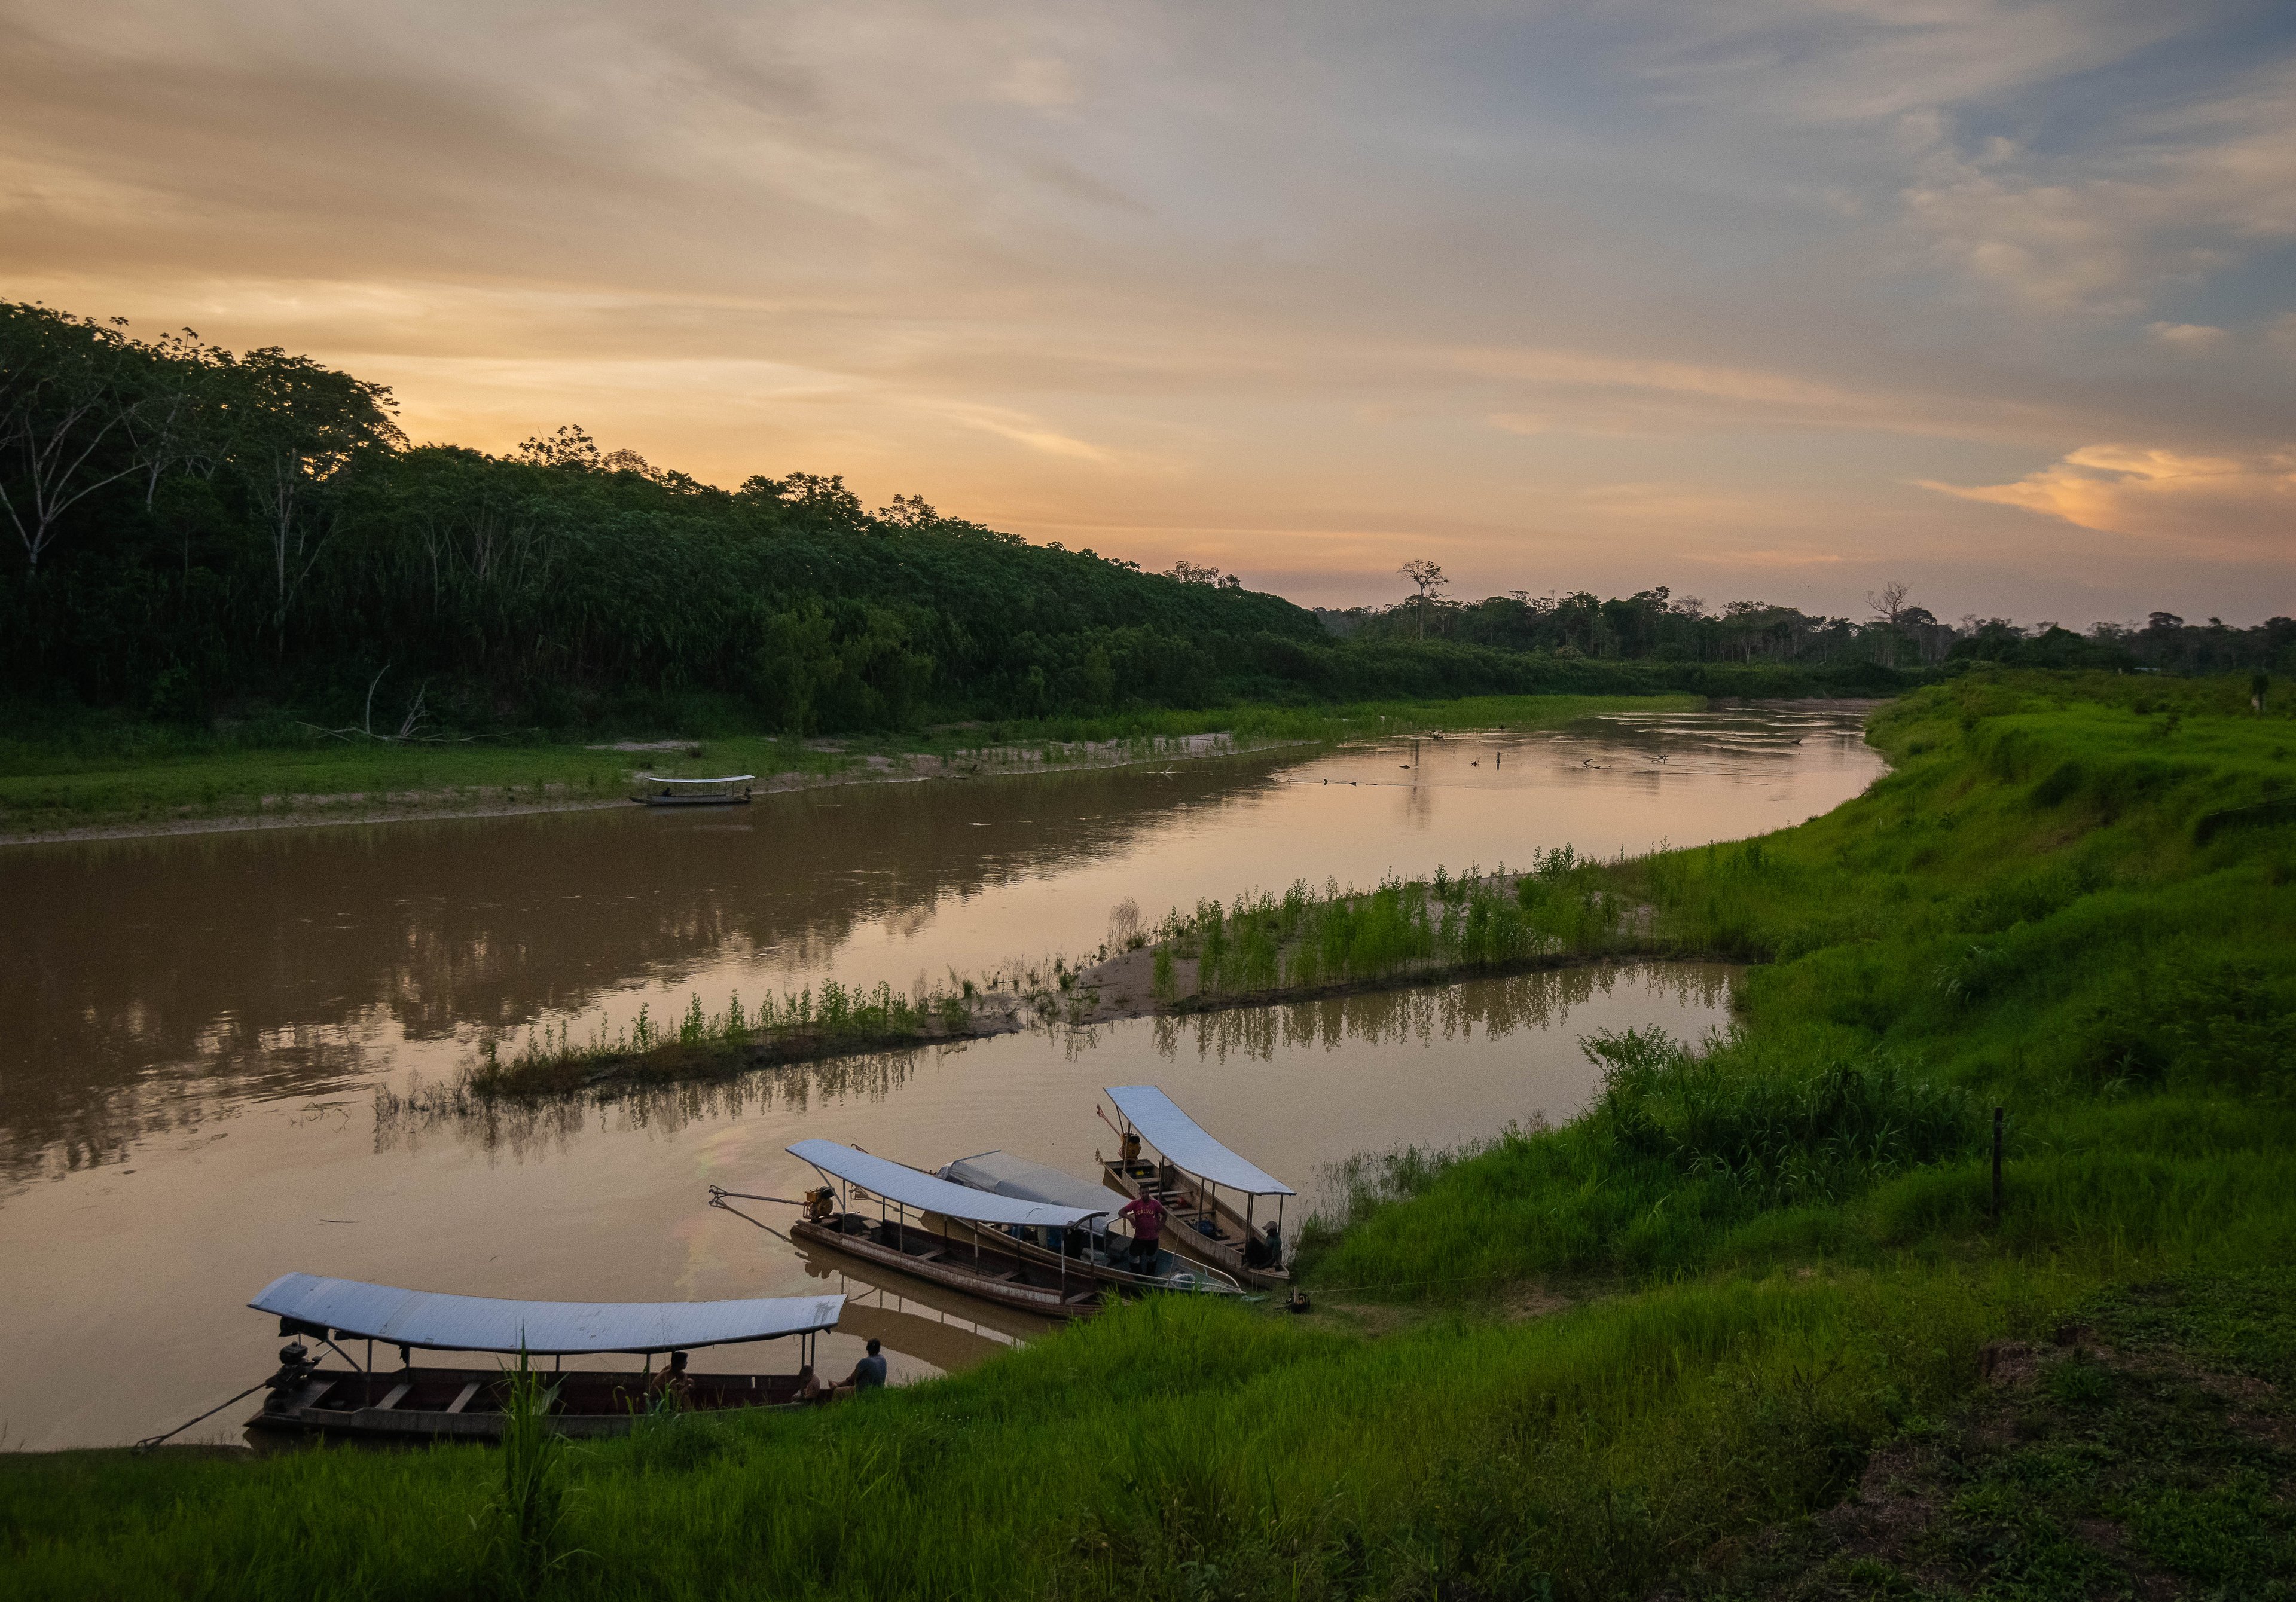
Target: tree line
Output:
[(198, 532), (1657, 626)]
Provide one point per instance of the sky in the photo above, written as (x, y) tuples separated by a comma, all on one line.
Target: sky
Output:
[(1758, 299)]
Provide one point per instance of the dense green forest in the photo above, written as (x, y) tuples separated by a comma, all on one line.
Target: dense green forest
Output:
[(203, 533), (1657, 626)]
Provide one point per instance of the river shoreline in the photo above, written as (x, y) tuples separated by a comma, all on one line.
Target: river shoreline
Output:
[(63, 796), (322, 811)]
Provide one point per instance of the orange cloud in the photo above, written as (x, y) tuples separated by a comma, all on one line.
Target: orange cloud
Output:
[(2231, 504)]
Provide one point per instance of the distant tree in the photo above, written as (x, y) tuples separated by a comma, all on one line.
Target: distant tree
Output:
[(1428, 576), (1889, 604), (1193, 573), (568, 446), (908, 511)]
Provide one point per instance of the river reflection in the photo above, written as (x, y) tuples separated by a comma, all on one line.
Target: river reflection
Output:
[(137, 1271), (197, 1026), (156, 986)]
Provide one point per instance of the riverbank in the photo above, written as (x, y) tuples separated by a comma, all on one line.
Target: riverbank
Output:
[(115, 781), (1777, 1266)]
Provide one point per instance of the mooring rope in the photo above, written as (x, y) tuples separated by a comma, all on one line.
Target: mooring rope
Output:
[(149, 1442), (720, 1202)]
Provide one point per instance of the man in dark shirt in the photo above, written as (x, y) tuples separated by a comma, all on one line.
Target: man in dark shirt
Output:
[(869, 1373)]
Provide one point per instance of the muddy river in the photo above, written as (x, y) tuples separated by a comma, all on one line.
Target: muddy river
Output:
[(197, 1026)]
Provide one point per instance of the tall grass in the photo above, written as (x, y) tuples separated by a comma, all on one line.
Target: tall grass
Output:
[(1265, 946), (803, 1025), (525, 1522), (1166, 1450)]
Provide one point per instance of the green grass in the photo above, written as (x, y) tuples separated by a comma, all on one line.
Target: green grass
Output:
[(2138, 1453), (1777, 1273), (61, 775)]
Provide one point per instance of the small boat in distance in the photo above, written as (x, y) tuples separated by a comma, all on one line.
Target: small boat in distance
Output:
[(418, 1403), (1038, 1256), (1190, 1171), (696, 792)]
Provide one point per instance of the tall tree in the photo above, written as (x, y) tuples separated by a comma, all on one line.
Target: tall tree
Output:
[(1889, 604), (67, 388), (1428, 576), (301, 430)]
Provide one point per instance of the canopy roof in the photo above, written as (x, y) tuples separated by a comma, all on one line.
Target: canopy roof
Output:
[(928, 1193), (1008, 1175), (1185, 1144), (728, 778), (437, 1322)]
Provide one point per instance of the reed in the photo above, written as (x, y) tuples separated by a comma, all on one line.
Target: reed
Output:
[(525, 1520), (804, 1025), (1263, 947)]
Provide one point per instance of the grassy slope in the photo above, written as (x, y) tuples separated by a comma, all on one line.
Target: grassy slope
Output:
[(95, 775), (1778, 1255)]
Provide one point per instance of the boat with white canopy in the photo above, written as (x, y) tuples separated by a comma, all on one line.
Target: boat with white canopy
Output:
[(1214, 1196), (411, 1401), (732, 790), (1021, 1251)]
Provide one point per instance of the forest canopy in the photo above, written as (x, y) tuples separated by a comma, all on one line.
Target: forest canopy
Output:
[(200, 532)]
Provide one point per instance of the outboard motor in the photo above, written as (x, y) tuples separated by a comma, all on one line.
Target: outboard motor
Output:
[(296, 1367), (820, 1205)]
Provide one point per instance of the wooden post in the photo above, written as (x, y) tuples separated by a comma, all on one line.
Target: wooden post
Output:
[(1996, 1165)]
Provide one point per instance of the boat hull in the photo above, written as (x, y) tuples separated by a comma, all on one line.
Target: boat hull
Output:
[(465, 1405), (1004, 1277)]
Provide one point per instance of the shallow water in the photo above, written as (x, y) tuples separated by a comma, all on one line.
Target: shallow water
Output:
[(197, 1026)]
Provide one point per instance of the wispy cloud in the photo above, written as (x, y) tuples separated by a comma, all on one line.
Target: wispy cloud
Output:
[(1554, 293), (2212, 503), (2195, 336)]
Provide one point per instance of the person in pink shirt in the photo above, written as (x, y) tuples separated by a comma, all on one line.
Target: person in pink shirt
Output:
[(1146, 1217)]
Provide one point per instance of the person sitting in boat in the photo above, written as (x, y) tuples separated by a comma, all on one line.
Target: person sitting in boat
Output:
[(869, 1373), (1265, 1251), (1130, 1151), (1146, 1215), (672, 1384)]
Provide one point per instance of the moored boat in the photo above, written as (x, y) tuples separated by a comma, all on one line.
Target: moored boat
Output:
[(732, 790), (1038, 1256), (411, 1402), (1213, 1197)]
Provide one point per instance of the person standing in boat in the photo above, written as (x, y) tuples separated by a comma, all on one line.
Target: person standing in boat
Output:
[(1146, 1215)]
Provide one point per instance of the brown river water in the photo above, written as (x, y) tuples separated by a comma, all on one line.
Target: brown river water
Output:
[(196, 1026)]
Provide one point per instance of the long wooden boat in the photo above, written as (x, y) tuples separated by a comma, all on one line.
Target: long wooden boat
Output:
[(412, 1403), (1212, 1195), (732, 790), (972, 1265), (1042, 1257), (466, 1404)]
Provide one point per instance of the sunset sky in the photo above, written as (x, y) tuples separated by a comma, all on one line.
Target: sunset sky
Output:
[(1758, 298)]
